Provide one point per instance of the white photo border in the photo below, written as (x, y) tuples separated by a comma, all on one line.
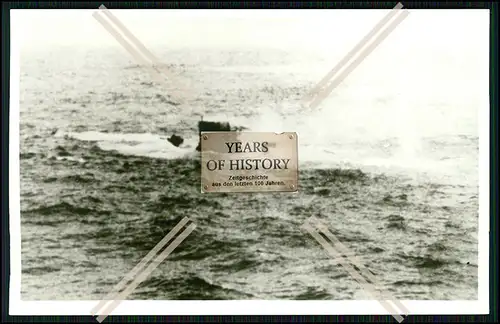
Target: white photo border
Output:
[(232, 307)]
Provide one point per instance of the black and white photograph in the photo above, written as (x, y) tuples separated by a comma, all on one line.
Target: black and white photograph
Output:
[(107, 108)]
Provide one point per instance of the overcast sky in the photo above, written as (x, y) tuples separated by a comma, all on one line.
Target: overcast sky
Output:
[(236, 28)]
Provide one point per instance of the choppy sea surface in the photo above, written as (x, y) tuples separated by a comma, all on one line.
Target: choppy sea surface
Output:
[(395, 178)]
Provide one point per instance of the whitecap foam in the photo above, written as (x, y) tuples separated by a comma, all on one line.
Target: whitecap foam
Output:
[(143, 144)]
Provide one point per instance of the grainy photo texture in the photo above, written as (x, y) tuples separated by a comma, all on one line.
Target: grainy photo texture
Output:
[(111, 112)]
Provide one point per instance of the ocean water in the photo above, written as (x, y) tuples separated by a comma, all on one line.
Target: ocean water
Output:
[(389, 161)]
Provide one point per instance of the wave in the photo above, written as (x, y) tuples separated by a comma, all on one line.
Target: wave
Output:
[(138, 144)]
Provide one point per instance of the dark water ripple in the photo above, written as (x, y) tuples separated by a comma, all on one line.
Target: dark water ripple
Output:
[(89, 216), (117, 207)]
